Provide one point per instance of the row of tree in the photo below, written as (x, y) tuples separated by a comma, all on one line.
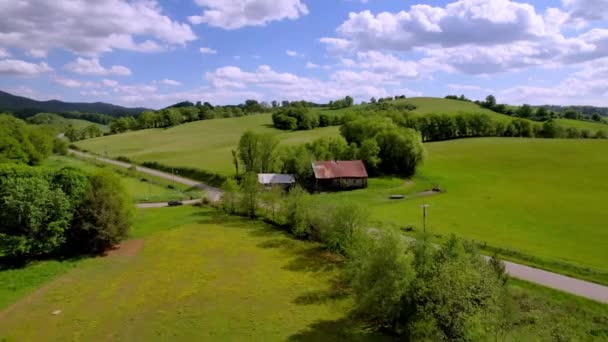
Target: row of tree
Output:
[(302, 118), (60, 212), (415, 290)]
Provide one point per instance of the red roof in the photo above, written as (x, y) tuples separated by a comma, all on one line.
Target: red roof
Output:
[(339, 169)]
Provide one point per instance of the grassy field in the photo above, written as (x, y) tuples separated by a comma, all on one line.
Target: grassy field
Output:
[(202, 276), (80, 124), (202, 144), (153, 190), (578, 124), (540, 197)]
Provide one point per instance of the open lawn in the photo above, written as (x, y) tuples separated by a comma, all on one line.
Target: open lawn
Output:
[(544, 198), (80, 124), (210, 278), (153, 190), (578, 124), (205, 145), (195, 274)]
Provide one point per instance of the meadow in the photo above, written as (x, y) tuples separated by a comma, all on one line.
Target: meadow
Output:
[(205, 145), (81, 124), (200, 275), (539, 197), (154, 189)]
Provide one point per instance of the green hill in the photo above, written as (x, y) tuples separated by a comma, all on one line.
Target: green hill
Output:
[(201, 144), (60, 123)]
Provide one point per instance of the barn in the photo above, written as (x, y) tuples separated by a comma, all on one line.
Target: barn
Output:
[(268, 180), (339, 175)]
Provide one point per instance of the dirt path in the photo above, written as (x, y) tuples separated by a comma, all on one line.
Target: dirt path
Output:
[(534, 275)]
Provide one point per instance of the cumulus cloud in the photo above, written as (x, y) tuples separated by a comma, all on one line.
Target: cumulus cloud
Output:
[(311, 65), (22, 68), (291, 53), (92, 66), (207, 51), (89, 27), (462, 22), (587, 9), (359, 84), (4, 53), (234, 14)]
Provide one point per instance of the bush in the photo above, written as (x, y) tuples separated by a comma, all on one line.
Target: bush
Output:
[(104, 216)]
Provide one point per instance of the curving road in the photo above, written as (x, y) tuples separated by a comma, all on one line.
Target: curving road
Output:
[(557, 281)]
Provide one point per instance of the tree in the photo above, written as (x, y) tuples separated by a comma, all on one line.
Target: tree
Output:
[(346, 221), (596, 117), (380, 275), (229, 196), (92, 131), (368, 152), (235, 161), (552, 129), (249, 151), (490, 102), (268, 145), (104, 216), (250, 189), (272, 199), (525, 111), (296, 210), (571, 114), (542, 114), (34, 217), (601, 134), (400, 151)]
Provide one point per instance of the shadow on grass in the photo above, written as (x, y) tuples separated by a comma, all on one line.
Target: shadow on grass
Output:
[(345, 329), (313, 259), (337, 291)]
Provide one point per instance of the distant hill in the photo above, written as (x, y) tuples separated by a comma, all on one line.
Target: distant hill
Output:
[(587, 110), (24, 107)]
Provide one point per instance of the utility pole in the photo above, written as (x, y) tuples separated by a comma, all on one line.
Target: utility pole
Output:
[(424, 206)]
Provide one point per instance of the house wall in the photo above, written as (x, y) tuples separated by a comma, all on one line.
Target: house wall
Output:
[(341, 183)]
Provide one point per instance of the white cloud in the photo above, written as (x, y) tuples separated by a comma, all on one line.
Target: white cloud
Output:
[(234, 14), (311, 65), (94, 93), (89, 27), (67, 82), (109, 83), (4, 53), (462, 22), (469, 87), (23, 68), (207, 51), (291, 53), (587, 9), (92, 66), (170, 82)]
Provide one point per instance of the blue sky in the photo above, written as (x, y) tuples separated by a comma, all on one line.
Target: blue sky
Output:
[(155, 53)]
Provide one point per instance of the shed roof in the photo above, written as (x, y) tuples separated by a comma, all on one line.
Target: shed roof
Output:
[(275, 178), (339, 169)]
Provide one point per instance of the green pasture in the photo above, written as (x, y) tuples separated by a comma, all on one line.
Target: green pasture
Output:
[(578, 124), (80, 124), (200, 275), (154, 189), (205, 145), (544, 198)]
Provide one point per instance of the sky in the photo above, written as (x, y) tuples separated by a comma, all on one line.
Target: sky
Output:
[(155, 53)]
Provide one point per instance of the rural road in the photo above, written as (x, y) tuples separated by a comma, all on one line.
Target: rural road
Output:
[(214, 194), (557, 281)]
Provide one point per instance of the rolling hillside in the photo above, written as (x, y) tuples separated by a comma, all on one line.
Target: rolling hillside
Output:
[(25, 107), (201, 144)]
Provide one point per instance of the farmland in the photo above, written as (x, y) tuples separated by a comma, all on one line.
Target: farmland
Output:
[(538, 197), (200, 275), (202, 144)]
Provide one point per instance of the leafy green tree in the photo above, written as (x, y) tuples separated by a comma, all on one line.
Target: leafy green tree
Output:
[(272, 200), (250, 190), (346, 221), (571, 114), (601, 134), (268, 154), (230, 195), (296, 210), (34, 217), (400, 151), (104, 216), (525, 111), (380, 275), (596, 117), (490, 102), (542, 114), (249, 151), (552, 129), (369, 153)]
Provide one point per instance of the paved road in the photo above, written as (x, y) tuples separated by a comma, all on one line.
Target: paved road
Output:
[(214, 194), (549, 279), (165, 204)]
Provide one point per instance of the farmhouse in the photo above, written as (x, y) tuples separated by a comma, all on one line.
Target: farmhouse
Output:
[(339, 175), (269, 180)]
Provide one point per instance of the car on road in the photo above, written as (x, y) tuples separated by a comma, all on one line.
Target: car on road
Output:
[(174, 203)]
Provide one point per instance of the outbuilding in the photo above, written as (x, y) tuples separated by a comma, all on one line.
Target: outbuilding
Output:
[(339, 175), (268, 180)]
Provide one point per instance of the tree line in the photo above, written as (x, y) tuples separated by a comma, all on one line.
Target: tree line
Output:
[(413, 290)]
